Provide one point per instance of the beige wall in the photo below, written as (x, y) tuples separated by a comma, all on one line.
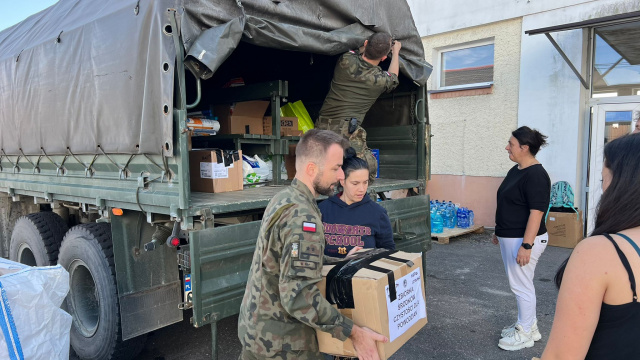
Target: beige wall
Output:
[(470, 132), (477, 193), (472, 127)]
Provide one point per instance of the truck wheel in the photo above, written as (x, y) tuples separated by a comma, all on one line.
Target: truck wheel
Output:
[(36, 238), (87, 253)]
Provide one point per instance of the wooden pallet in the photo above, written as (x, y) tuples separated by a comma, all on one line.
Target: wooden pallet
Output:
[(443, 238)]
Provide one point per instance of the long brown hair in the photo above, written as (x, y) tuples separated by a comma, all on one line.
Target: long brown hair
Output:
[(619, 206)]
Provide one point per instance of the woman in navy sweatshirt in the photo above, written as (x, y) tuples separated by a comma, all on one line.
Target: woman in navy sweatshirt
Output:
[(351, 219)]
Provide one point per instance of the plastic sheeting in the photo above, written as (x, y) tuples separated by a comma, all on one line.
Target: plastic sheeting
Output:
[(32, 325), (91, 76)]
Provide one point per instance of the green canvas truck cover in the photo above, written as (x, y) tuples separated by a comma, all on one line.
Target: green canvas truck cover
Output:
[(87, 77)]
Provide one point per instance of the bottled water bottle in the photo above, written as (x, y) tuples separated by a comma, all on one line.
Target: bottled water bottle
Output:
[(471, 216), (442, 207), (454, 215), (433, 207), (463, 219), (448, 218), (437, 227)]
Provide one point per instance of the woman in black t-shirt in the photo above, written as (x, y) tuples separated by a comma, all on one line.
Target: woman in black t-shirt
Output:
[(523, 199)]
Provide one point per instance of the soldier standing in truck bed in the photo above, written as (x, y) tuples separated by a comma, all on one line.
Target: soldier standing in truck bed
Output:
[(357, 83), (282, 307)]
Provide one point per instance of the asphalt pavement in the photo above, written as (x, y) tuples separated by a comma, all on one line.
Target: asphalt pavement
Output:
[(468, 304)]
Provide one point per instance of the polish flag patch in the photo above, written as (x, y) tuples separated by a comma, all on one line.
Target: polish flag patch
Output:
[(308, 226)]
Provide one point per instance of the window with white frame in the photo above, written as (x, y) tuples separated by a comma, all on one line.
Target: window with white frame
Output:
[(465, 65)]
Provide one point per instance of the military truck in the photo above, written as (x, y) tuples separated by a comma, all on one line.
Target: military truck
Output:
[(94, 165)]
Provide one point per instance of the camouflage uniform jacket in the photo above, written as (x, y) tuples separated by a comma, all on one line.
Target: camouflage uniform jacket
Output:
[(282, 306), (356, 85)]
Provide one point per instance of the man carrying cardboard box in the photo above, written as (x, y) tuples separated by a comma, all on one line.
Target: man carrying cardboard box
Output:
[(282, 305)]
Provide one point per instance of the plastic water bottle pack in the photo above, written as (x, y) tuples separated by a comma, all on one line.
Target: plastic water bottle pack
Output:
[(448, 215)]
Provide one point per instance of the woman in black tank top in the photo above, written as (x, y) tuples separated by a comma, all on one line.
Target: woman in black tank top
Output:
[(598, 314)]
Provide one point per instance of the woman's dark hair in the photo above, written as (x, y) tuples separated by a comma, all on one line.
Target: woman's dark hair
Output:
[(533, 138), (619, 206), (352, 162)]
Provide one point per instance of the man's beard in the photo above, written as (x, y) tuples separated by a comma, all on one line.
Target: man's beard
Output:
[(322, 190)]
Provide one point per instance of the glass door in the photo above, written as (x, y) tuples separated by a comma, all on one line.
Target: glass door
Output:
[(610, 121)]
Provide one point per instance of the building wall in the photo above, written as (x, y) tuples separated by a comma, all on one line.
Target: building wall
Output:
[(477, 193), (552, 98), (435, 16), (471, 127)]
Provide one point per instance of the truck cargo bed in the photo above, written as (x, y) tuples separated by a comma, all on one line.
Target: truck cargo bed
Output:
[(255, 198)]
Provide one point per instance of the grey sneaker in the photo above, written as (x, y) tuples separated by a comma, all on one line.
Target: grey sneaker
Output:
[(535, 333), (516, 340)]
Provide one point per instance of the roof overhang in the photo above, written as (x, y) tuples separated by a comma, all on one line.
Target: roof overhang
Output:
[(629, 48), (584, 24)]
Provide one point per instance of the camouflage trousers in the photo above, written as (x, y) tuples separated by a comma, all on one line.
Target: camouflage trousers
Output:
[(358, 140), (284, 355)]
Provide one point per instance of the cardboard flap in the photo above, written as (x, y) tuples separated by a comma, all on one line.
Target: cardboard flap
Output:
[(254, 109), (366, 273), (383, 263)]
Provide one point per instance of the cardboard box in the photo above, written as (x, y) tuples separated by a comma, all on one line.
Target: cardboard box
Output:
[(210, 175), (565, 228), (399, 319), (288, 126), (290, 162), (241, 118)]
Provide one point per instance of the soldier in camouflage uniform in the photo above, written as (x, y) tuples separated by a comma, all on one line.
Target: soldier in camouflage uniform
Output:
[(282, 307), (357, 83)]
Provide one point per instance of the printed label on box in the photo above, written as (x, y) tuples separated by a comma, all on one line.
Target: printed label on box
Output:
[(409, 306), (214, 171)]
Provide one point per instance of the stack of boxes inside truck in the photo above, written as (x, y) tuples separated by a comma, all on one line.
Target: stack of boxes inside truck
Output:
[(220, 169)]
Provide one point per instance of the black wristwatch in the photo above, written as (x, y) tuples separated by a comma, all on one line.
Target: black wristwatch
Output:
[(527, 246)]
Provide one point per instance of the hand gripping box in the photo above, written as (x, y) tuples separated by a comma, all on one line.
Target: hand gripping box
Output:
[(383, 291)]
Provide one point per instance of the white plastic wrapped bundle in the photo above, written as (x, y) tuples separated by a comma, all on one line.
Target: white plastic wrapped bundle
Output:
[(32, 325)]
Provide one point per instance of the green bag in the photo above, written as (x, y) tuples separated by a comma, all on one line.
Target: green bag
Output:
[(298, 110)]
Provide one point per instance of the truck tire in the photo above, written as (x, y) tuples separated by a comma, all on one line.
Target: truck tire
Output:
[(36, 239), (87, 253)]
